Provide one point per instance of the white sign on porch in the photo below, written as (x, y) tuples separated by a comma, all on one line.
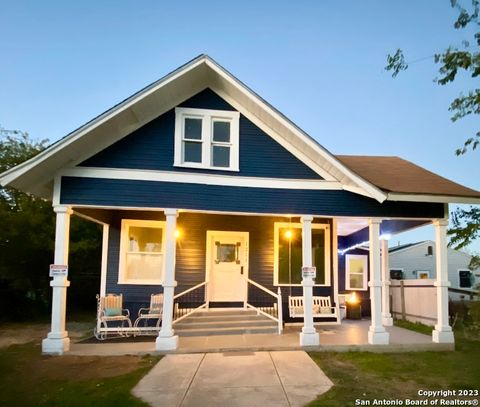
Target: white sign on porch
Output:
[(309, 272), (58, 270)]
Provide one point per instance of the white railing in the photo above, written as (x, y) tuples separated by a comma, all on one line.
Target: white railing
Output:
[(193, 299), (274, 311)]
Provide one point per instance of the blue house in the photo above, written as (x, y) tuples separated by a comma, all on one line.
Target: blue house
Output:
[(211, 196)]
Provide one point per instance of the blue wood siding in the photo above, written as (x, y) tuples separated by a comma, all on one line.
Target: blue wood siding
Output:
[(152, 147), (191, 255), (149, 194)]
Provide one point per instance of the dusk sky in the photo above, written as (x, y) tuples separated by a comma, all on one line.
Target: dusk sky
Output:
[(320, 63)]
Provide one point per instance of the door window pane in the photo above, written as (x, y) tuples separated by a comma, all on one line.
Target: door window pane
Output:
[(193, 129), (226, 253), (221, 132), (221, 156), (192, 152)]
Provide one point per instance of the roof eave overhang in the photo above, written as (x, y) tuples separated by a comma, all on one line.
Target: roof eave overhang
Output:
[(396, 196)]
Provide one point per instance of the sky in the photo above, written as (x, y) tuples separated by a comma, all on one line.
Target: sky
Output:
[(321, 63)]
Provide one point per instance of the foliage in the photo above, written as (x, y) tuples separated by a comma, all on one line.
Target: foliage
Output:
[(393, 376), (452, 61), (29, 379), (27, 240), (465, 230)]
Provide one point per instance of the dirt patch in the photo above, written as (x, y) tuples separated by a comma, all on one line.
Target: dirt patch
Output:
[(16, 334), (80, 368)]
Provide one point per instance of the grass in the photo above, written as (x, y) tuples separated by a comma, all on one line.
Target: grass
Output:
[(368, 376), (414, 326), (29, 379)]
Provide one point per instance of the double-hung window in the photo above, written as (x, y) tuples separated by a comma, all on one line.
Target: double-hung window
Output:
[(356, 270), (206, 139), (142, 248)]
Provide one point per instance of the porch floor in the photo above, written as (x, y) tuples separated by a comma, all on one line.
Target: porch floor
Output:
[(349, 336)]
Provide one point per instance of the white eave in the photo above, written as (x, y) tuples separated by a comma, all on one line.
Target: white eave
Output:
[(36, 175)]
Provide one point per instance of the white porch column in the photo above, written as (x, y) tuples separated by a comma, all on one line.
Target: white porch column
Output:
[(442, 332), (166, 339), (376, 333), (57, 341), (309, 336), (386, 316)]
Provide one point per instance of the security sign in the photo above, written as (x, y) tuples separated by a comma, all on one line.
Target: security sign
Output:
[(309, 272), (58, 270)]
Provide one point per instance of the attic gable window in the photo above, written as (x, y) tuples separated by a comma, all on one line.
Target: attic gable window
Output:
[(206, 139)]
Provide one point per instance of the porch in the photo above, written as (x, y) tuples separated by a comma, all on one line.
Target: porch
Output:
[(199, 260), (349, 336)]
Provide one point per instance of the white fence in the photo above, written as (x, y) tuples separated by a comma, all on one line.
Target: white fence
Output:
[(414, 300)]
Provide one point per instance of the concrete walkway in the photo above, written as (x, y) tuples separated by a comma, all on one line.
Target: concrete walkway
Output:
[(233, 379)]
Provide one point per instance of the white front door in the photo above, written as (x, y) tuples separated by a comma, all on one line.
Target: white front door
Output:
[(227, 264)]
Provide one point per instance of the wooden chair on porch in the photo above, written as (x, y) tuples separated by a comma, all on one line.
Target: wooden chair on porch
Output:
[(153, 312), (110, 310)]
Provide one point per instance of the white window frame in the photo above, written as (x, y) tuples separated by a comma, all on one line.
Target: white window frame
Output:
[(418, 272), (124, 241), (276, 250), (472, 284), (362, 257), (208, 118)]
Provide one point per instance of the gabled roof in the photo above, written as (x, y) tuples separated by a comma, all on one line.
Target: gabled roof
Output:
[(398, 177), (37, 174)]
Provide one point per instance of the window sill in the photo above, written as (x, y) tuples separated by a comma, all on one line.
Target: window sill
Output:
[(300, 285), (203, 167), (140, 282)]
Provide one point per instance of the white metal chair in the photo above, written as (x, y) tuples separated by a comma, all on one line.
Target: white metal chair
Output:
[(110, 310), (153, 312)]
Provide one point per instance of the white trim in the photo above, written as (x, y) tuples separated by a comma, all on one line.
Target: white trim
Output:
[(89, 218), (126, 223), (362, 257), (395, 196), (208, 117), (57, 187), (418, 272), (204, 179), (335, 263), (297, 225), (103, 269), (209, 254)]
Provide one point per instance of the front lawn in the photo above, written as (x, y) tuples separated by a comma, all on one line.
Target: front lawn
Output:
[(29, 379), (368, 376)]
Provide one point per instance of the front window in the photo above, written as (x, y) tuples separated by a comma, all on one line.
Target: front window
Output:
[(465, 277), (356, 268), (141, 252), (288, 254), (206, 139)]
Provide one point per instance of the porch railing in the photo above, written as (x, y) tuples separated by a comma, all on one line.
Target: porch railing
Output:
[(268, 304), (192, 300)]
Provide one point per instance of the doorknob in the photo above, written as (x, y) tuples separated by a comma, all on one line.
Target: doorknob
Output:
[(241, 270)]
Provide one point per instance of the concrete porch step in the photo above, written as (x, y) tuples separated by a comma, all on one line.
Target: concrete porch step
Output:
[(194, 324), (235, 321), (225, 331)]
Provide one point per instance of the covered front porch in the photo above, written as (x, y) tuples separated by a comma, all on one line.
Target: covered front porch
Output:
[(194, 246), (349, 336)]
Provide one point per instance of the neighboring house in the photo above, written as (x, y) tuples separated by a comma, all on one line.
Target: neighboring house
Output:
[(417, 261), (201, 185)]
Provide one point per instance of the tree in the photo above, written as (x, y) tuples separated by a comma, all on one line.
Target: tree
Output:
[(466, 222), (452, 61), (27, 240)]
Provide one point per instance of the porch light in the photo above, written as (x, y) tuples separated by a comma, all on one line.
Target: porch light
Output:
[(353, 299), (385, 236), (289, 234), (178, 233)]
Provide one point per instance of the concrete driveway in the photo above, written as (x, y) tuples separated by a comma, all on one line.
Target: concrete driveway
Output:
[(233, 379)]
